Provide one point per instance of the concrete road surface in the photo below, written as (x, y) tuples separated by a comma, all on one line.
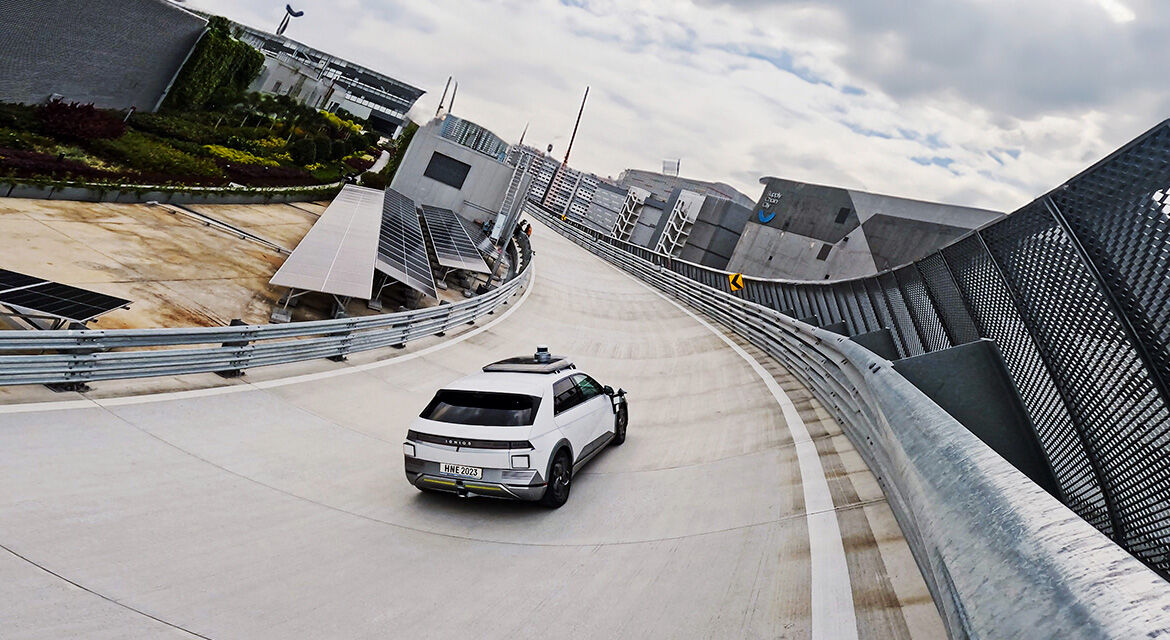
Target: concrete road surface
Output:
[(279, 509)]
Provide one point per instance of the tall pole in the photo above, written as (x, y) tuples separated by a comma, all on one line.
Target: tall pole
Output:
[(565, 163), (575, 125), (441, 100), (451, 106)]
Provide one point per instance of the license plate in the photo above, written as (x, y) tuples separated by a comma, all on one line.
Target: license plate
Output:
[(461, 470)]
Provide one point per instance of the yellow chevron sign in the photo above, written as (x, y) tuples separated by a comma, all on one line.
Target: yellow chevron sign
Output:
[(736, 281)]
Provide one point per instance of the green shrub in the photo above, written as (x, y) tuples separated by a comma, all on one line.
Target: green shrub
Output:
[(18, 116), (400, 147), (374, 180), (191, 148), (341, 124), (303, 151), (150, 155), (271, 145), (326, 173), (338, 150), (235, 156), (23, 140), (324, 148), (172, 126)]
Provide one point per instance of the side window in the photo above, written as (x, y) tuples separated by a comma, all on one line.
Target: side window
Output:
[(589, 387), (566, 395)]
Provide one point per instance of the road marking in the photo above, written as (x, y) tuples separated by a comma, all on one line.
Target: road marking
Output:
[(833, 616), (89, 403)]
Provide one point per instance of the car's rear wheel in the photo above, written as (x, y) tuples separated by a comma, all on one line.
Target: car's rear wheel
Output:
[(620, 421), (560, 477)]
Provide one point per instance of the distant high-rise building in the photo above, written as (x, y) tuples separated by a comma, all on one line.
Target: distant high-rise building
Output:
[(571, 193)]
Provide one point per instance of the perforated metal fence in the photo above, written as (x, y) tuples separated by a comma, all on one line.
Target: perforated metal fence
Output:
[(1075, 289)]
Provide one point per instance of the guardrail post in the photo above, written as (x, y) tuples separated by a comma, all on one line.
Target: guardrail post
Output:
[(446, 319), (73, 377), (234, 373)]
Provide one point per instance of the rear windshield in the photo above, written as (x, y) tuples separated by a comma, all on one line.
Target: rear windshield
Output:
[(482, 409)]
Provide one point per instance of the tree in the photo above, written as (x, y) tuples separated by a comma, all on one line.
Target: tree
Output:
[(324, 148), (303, 151)]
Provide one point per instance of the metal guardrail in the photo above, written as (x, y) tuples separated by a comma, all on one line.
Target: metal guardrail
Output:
[(1001, 557), (59, 357)]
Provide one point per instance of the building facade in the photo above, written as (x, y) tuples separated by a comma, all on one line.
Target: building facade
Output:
[(662, 185), (813, 232), (115, 54), (439, 171), (716, 232), (380, 99), (473, 136), (605, 207), (287, 77)]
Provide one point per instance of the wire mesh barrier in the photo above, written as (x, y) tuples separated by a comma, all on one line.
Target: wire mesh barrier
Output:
[(71, 356), (1075, 289)]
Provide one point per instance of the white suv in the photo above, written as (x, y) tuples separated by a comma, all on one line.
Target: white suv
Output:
[(520, 429)]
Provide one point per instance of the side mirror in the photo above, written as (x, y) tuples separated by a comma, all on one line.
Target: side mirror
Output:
[(608, 390)]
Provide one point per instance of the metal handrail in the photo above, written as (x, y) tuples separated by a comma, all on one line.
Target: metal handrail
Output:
[(72, 356), (1002, 558)]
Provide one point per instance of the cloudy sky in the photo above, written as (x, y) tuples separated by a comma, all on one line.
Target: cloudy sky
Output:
[(979, 102)]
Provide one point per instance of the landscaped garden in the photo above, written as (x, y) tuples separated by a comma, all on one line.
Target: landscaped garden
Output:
[(209, 132)]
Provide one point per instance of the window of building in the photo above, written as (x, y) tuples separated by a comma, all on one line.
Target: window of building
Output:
[(276, 87), (843, 215), (447, 170), (823, 254)]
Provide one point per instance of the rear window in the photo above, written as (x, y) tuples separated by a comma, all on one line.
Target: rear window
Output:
[(482, 409)]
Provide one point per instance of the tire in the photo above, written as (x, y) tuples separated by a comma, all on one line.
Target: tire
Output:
[(620, 421), (560, 479)]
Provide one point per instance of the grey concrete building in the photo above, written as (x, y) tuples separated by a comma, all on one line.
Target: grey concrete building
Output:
[(813, 232), (366, 93), (441, 172), (661, 186), (114, 53), (605, 207), (287, 77), (716, 232)]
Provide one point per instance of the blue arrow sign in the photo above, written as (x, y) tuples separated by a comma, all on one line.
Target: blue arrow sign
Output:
[(765, 219)]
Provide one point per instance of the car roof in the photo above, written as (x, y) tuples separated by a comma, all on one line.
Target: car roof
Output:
[(529, 384)]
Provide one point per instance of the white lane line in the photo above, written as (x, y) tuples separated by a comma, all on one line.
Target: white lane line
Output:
[(833, 616), (90, 403)]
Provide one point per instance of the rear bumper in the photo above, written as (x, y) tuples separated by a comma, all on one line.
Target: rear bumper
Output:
[(517, 484)]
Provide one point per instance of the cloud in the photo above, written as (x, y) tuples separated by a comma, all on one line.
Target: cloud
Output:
[(1003, 99)]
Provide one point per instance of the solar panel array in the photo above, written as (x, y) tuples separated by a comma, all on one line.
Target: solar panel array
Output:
[(337, 255), (402, 252), (453, 247), (54, 299)]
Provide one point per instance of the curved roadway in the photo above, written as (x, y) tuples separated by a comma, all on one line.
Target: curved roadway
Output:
[(279, 509)]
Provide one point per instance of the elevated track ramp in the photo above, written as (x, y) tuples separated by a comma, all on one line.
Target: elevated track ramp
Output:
[(279, 508)]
